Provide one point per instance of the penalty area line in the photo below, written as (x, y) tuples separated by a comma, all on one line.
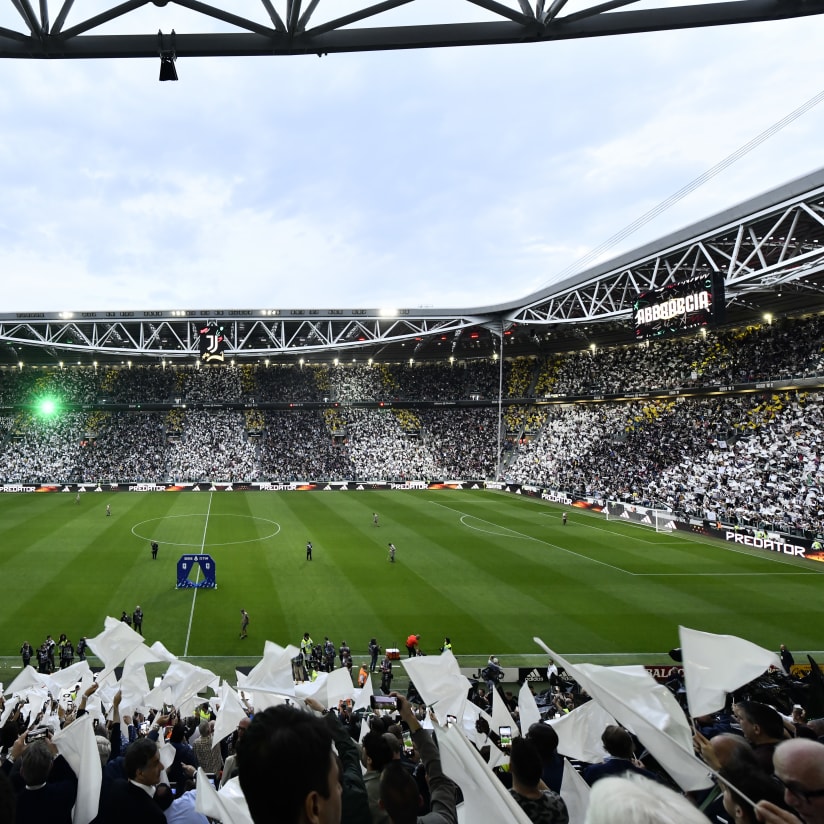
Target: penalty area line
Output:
[(527, 537)]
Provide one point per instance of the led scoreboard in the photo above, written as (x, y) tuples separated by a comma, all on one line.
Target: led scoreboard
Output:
[(679, 307)]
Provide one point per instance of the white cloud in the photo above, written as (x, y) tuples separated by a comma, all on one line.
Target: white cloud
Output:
[(436, 177)]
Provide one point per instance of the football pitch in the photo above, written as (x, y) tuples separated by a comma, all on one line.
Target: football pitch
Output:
[(488, 569)]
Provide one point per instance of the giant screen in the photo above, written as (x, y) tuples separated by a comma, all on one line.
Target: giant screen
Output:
[(679, 307)]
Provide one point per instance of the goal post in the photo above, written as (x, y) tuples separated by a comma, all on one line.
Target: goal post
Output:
[(661, 520)]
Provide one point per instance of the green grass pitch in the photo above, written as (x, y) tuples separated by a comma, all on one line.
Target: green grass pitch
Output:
[(488, 569)]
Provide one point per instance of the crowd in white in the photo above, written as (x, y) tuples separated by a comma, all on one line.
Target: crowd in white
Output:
[(750, 458), (297, 446), (213, 446)]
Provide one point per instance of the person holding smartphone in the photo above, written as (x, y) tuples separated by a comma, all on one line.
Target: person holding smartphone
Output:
[(399, 793)]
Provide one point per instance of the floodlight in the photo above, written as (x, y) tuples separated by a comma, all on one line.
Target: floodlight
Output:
[(168, 54), (167, 68)]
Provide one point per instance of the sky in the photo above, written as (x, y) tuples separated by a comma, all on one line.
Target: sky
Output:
[(458, 177)]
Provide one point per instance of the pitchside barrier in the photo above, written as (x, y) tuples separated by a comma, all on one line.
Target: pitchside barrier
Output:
[(200, 564), (517, 675)]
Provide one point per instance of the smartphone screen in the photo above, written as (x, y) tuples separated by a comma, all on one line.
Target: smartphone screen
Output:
[(505, 736), (383, 702), (37, 734)]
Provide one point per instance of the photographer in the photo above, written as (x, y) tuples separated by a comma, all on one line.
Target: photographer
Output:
[(386, 675), (492, 673)]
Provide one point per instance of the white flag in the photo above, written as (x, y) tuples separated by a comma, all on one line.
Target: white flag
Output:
[(486, 800), (647, 709), (715, 665), (229, 714), (77, 744), (579, 732), (528, 712), (575, 792)]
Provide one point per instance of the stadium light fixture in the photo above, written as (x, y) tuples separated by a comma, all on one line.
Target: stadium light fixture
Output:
[(167, 68), (168, 55)]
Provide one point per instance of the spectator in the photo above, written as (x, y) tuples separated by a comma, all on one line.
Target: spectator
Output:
[(206, 749), (376, 754), (48, 787), (132, 801), (636, 799), (288, 771), (762, 727), (398, 790), (621, 759), (799, 767), (545, 740), (541, 805)]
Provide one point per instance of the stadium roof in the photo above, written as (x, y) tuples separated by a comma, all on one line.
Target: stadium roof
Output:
[(310, 27), (769, 250)]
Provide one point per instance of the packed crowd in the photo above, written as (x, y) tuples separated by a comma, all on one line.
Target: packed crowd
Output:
[(356, 757), (298, 446), (789, 348), (786, 349), (213, 446), (751, 459)]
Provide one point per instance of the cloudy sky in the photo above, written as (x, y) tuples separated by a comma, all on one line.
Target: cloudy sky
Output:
[(447, 178)]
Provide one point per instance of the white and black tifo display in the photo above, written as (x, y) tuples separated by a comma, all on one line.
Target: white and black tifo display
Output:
[(679, 307)]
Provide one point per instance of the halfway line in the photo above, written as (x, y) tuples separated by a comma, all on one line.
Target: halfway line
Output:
[(197, 577)]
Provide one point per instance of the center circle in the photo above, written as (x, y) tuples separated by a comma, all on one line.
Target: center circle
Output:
[(138, 534)]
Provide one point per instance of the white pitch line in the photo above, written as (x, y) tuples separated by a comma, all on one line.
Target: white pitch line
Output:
[(604, 529), (528, 537), (197, 577), (718, 574), (691, 538)]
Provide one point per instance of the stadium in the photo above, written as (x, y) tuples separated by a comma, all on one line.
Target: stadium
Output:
[(630, 449)]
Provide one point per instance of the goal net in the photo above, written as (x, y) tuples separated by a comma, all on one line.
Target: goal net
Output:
[(661, 520)]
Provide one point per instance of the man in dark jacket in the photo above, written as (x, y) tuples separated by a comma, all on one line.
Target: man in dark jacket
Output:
[(133, 801)]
